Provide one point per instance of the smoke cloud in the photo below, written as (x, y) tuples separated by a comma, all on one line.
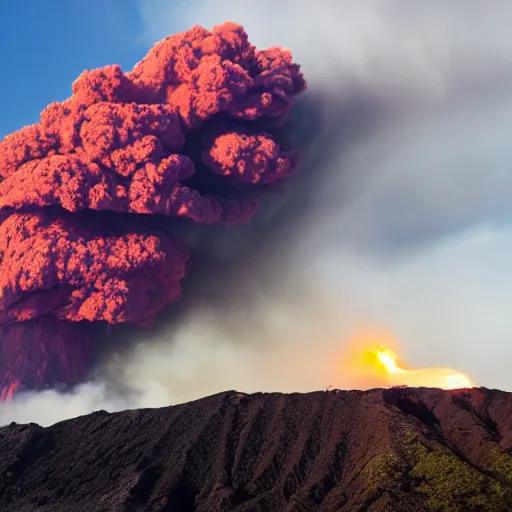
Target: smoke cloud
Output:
[(399, 217), (184, 135)]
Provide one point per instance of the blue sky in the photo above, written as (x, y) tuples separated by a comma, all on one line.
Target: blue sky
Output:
[(46, 45)]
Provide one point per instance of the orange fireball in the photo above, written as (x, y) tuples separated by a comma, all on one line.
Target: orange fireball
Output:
[(445, 378), (370, 362)]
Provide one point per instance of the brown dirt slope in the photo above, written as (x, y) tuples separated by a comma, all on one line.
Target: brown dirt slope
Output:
[(399, 449)]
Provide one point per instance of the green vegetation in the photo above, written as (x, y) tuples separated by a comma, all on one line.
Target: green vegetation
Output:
[(501, 464), (445, 480), (385, 471), (450, 484)]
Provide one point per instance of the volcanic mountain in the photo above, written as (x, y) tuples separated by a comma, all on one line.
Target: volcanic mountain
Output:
[(396, 449)]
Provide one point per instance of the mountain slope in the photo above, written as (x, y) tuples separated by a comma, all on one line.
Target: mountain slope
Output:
[(398, 449)]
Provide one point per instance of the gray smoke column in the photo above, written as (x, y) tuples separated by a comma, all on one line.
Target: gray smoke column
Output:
[(399, 218)]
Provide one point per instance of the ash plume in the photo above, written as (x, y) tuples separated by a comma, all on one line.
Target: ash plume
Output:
[(184, 135), (398, 216)]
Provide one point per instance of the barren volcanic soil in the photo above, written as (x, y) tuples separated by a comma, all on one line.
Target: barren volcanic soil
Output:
[(398, 449)]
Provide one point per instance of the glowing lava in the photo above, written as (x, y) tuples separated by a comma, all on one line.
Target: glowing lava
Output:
[(444, 378), (371, 361)]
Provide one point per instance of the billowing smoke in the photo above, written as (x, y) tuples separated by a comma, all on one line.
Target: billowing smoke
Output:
[(184, 135), (398, 217)]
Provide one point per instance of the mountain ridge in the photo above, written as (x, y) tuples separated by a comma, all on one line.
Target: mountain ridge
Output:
[(381, 450)]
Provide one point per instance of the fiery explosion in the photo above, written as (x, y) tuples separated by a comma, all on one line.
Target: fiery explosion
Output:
[(444, 378), (190, 133), (370, 362)]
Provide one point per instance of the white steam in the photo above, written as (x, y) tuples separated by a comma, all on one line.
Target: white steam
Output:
[(408, 226)]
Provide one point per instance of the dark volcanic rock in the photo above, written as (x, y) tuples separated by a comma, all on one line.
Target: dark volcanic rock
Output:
[(399, 449)]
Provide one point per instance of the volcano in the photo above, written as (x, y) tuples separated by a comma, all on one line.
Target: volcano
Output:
[(395, 449)]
